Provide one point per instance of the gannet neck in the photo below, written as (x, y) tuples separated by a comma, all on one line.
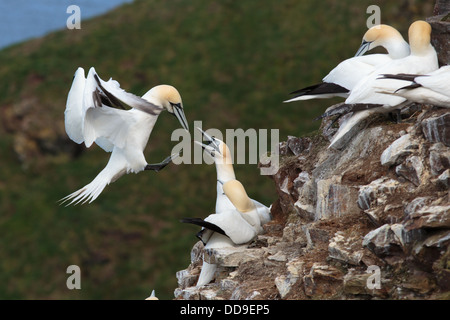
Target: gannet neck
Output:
[(225, 172), (235, 191), (419, 34), (397, 48), (224, 164)]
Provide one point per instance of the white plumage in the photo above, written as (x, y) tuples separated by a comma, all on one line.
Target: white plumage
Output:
[(432, 88), (364, 100), (344, 77), (92, 115), (238, 219)]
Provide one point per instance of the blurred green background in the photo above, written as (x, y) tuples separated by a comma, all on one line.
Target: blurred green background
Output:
[(234, 62)]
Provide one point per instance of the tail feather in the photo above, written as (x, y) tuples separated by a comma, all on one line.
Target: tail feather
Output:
[(207, 273), (88, 193), (116, 167), (353, 124)]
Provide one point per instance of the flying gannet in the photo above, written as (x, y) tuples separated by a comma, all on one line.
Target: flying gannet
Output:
[(117, 121), (238, 219), (432, 88), (349, 72), (364, 100)]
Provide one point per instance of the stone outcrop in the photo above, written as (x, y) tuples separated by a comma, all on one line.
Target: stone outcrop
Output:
[(440, 24), (371, 220)]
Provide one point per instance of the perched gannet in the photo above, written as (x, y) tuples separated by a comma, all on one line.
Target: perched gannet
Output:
[(152, 296), (230, 227), (364, 100), (237, 219), (349, 72), (91, 115), (223, 161), (432, 88)]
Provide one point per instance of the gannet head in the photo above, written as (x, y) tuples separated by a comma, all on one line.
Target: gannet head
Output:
[(384, 36), (170, 99), (216, 148), (419, 34)]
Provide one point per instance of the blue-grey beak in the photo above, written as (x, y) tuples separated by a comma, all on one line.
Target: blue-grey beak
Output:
[(365, 46)]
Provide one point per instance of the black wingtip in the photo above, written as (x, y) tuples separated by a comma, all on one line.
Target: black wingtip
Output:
[(202, 223), (412, 86), (320, 88), (401, 76)]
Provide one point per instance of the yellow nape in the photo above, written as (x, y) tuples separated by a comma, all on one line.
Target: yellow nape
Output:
[(235, 191), (380, 33), (419, 34)]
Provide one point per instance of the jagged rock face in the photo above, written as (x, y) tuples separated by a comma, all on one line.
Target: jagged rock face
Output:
[(368, 221), (371, 220), (440, 24)]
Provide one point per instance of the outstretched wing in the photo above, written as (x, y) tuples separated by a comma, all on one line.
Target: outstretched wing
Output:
[(74, 113), (96, 111), (111, 94)]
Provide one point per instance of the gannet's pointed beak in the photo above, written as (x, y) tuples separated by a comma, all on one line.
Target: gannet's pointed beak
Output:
[(365, 45), (211, 145), (179, 113)]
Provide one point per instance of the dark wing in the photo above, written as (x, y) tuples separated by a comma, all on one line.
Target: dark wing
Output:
[(112, 95), (401, 76), (320, 88), (202, 223)]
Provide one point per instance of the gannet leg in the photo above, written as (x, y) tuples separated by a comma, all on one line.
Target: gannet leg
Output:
[(159, 166)]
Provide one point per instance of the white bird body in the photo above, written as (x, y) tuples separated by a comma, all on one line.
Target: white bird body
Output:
[(344, 77), (124, 133), (238, 219), (432, 88), (364, 91), (232, 227), (349, 72), (215, 241), (364, 100), (437, 81)]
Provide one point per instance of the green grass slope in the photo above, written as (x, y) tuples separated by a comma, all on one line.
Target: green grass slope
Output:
[(234, 62)]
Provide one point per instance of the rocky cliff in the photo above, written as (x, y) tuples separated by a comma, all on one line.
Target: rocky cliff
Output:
[(368, 221)]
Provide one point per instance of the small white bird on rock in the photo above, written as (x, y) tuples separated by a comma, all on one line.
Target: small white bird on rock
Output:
[(119, 122), (344, 77)]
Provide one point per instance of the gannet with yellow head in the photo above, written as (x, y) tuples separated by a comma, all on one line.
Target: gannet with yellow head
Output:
[(117, 121), (219, 151), (343, 78), (364, 99), (238, 218), (385, 36)]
